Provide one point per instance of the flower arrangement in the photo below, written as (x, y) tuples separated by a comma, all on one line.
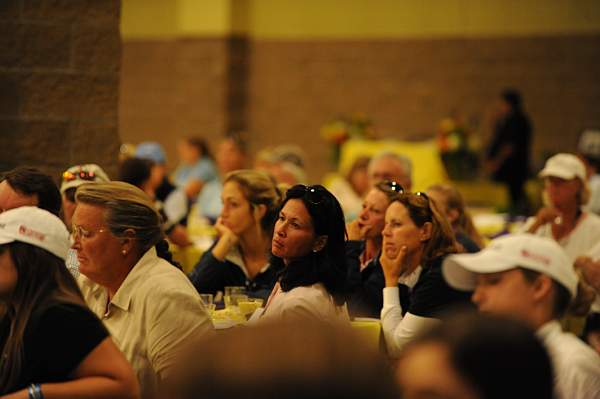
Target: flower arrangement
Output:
[(456, 145), (343, 128)]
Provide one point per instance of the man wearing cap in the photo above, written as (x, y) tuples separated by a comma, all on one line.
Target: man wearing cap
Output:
[(563, 218), (532, 279)]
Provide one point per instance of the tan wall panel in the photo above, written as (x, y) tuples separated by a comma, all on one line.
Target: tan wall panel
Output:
[(406, 85)]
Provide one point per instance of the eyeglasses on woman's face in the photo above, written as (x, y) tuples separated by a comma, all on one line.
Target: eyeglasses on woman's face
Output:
[(79, 232)]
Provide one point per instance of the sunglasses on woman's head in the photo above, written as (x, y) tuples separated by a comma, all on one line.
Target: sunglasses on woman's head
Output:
[(422, 195), (81, 175), (313, 194), (392, 186)]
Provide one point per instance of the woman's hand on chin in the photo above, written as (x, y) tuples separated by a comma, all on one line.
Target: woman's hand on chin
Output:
[(356, 230), (226, 232), (392, 263), (227, 240)]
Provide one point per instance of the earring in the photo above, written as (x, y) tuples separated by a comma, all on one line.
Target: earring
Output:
[(124, 252)]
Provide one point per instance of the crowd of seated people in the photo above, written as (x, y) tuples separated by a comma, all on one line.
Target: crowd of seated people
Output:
[(93, 304)]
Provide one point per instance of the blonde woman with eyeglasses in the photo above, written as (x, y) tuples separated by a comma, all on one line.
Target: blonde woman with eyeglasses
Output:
[(149, 306)]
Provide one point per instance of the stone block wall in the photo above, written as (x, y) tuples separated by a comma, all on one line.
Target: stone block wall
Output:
[(59, 76)]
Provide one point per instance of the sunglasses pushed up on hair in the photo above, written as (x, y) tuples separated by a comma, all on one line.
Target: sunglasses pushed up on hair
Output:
[(395, 187), (313, 194), (79, 175)]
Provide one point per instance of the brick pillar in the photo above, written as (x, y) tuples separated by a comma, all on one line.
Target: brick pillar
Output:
[(59, 80)]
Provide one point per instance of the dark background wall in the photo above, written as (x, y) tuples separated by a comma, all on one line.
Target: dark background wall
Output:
[(406, 86), (59, 77)]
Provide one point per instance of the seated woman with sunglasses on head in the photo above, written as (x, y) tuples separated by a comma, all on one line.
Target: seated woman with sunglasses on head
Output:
[(416, 238), (365, 280), (51, 344), (308, 243), (240, 257)]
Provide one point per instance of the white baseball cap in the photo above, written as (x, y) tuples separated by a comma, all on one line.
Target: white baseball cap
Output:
[(589, 143), (77, 175), (35, 226), (565, 166), (508, 252)]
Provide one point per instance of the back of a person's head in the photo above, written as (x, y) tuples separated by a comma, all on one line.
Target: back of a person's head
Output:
[(135, 171), (285, 360), (30, 181), (455, 201), (201, 145), (512, 97), (498, 357)]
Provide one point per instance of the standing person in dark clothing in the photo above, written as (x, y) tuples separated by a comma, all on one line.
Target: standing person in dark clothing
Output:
[(508, 156)]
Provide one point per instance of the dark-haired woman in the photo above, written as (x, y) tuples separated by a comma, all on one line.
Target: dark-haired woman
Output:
[(240, 256), (416, 238), (51, 344), (308, 243)]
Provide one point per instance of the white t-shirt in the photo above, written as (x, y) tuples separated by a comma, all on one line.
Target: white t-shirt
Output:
[(594, 253), (584, 236), (312, 302), (594, 203), (576, 365)]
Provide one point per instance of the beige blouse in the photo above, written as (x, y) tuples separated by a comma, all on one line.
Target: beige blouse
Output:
[(311, 302)]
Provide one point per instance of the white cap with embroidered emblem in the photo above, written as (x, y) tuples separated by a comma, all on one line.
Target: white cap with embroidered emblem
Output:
[(36, 227), (526, 251)]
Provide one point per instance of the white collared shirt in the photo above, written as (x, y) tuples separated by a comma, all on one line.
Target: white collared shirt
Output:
[(155, 311), (576, 365)]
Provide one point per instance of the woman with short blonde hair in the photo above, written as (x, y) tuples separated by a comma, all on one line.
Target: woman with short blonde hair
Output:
[(149, 306)]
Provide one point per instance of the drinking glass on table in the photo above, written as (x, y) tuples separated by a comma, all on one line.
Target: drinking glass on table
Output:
[(207, 299), (232, 294), (249, 306)]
